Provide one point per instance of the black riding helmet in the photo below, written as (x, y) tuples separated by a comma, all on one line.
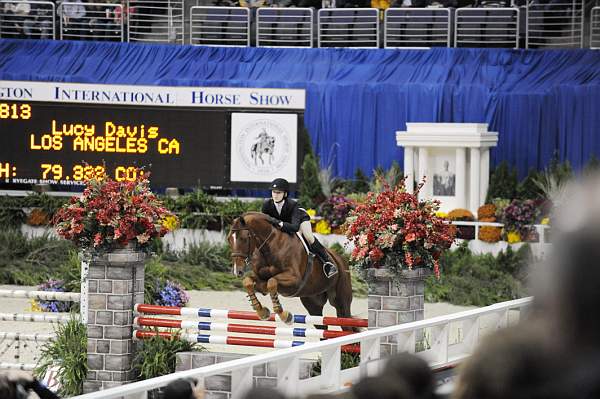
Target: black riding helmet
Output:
[(280, 185)]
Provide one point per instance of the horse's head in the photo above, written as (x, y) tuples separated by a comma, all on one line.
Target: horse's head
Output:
[(241, 244), (245, 237)]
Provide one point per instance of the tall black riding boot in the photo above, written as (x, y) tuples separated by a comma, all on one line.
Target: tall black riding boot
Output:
[(329, 268)]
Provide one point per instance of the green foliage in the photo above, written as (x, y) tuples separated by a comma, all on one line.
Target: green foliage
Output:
[(552, 182), (69, 351), (503, 183), (215, 257), (11, 208), (496, 279), (527, 188), (231, 209), (196, 210), (311, 194), (155, 275), (592, 167), (70, 272), (361, 182), (156, 356), (26, 261), (393, 176), (347, 361)]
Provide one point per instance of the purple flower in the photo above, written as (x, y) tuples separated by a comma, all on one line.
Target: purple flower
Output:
[(53, 306), (172, 294)]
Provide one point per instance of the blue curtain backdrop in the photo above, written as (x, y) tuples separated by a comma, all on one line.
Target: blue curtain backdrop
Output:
[(539, 101)]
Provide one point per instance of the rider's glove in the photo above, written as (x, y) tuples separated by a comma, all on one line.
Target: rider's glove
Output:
[(274, 221)]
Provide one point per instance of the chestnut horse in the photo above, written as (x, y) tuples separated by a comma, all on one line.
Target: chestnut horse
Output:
[(276, 262)]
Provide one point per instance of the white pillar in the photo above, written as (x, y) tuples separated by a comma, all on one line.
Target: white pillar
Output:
[(461, 177), (474, 180), (485, 174), (409, 168), (424, 172)]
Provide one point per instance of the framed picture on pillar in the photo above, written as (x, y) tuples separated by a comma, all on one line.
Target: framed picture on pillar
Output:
[(444, 173)]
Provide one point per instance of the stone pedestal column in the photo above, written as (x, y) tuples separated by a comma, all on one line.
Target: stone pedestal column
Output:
[(395, 301), (115, 283)]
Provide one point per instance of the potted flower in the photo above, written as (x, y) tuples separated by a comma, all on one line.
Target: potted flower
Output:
[(395, 230), (335, 210), (397, 236), (112, 214), (519, 218), (113, 223)]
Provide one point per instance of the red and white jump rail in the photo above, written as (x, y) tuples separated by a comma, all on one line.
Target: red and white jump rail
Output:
[(247, 315), (238, 328), (231, 340), (442, 353)]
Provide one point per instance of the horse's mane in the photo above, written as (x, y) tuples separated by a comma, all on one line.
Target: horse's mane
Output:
[(252, 215)]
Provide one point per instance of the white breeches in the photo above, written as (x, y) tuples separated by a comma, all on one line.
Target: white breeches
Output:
[(306, 230)]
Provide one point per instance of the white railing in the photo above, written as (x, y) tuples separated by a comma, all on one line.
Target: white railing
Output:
[(349, 27), (284, 27), (27, 19), (557, 24), (487, 27), (417, 27), (595, 28), (155, 21), (10, 341), (90, 21), (220, 26), (439, 352)]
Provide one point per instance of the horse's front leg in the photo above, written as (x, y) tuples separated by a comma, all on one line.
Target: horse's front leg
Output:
[(284, 315), (249, 282)]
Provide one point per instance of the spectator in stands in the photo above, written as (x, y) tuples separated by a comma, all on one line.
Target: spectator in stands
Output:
[(102, 24), (426, 3), (516, 362), (19, 385), (17, 17), (183, 388), (264, 393), (412, 371), (353, 3), (42, 16), (567, 291), (73, 14), (382, 387)]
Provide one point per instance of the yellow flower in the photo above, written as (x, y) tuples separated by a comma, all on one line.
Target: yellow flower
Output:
[(35, 306), (170, 223), (546, 221), (323, 227), (441, 214), (513, 237), (312, 213)]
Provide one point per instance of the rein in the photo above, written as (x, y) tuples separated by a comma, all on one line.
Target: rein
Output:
[(254, 237)]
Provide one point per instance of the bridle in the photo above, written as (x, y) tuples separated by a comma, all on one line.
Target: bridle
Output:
[(248, 254)]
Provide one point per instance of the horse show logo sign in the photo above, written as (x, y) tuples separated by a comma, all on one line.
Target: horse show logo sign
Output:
[(263, 147)]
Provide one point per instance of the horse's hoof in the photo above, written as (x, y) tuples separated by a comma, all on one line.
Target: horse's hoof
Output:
[(263, 314), (286, 317)]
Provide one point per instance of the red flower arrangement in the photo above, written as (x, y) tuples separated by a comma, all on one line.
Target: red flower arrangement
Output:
[(111, 214), (396, 230)]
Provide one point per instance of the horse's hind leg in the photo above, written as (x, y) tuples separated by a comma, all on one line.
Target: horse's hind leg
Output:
[(314, 306), (284, 315), (249, 283), (340, 298)]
